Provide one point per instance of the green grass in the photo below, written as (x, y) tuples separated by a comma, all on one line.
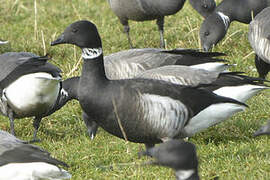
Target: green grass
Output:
[(227, 150)]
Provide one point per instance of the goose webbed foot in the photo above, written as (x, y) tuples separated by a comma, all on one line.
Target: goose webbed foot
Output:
[(34, 140), (147, 151)]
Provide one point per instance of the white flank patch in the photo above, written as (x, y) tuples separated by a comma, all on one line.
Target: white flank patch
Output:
[(91, 53), (225, 19), (212, 66), (32, 89), (164, 115), (240, 93), (184, 174), (32, 171), (211, 116)]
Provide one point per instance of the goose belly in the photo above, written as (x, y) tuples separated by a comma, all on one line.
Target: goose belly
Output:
[(27, 171), (32, 93), (144, 118), (211, 116), (240, 93)]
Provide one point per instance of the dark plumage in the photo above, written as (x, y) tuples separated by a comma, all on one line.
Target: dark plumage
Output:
[(179, 155), (264, 130), (215, 26), (230, 84), (29, 86), (259, 38), (139, 110), (203, 7), (20, 159), (142, 10)]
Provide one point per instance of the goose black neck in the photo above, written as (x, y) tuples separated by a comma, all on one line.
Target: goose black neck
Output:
[(93, 71)]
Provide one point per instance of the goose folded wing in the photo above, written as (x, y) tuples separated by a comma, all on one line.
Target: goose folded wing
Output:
[(26, 153)]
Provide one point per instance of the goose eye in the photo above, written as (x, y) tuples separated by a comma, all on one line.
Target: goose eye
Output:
[(74, 30), (206, 33), (205, 6)]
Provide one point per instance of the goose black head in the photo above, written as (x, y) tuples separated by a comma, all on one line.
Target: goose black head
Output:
[(205, 7), (178, 155), (83, 34), (212, 30)]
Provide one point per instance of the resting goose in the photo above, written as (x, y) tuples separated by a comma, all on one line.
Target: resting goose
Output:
[(259, 38), (20, 160), (179, 155), (139, 110), (215, 26), (29, 86)]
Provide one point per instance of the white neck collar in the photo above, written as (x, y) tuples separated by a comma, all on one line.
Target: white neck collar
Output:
[(225, 19), (184, 174), (91, 53)]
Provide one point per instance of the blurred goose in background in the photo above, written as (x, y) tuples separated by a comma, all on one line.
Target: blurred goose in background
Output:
[(259, 38), (203, 7), (29, 86), (179, 155), (143, 10), (215, 26), (20, 160), (138, 110), (2, 42), (264, 130)]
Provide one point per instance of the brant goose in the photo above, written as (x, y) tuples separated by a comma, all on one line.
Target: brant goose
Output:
[(229, 84), (29, 86), (215, 26), (203, 7), (20, 160), (259, 38), (130, 63), (179, 155), (139, 110), (142, 10), (264, 130)]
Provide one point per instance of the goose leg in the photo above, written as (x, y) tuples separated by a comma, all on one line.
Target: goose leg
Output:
[(126, 30), (160, 24), (11, 119), (36, 124), (91, 125), (262, 67), (124, 22), (147, 150)]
